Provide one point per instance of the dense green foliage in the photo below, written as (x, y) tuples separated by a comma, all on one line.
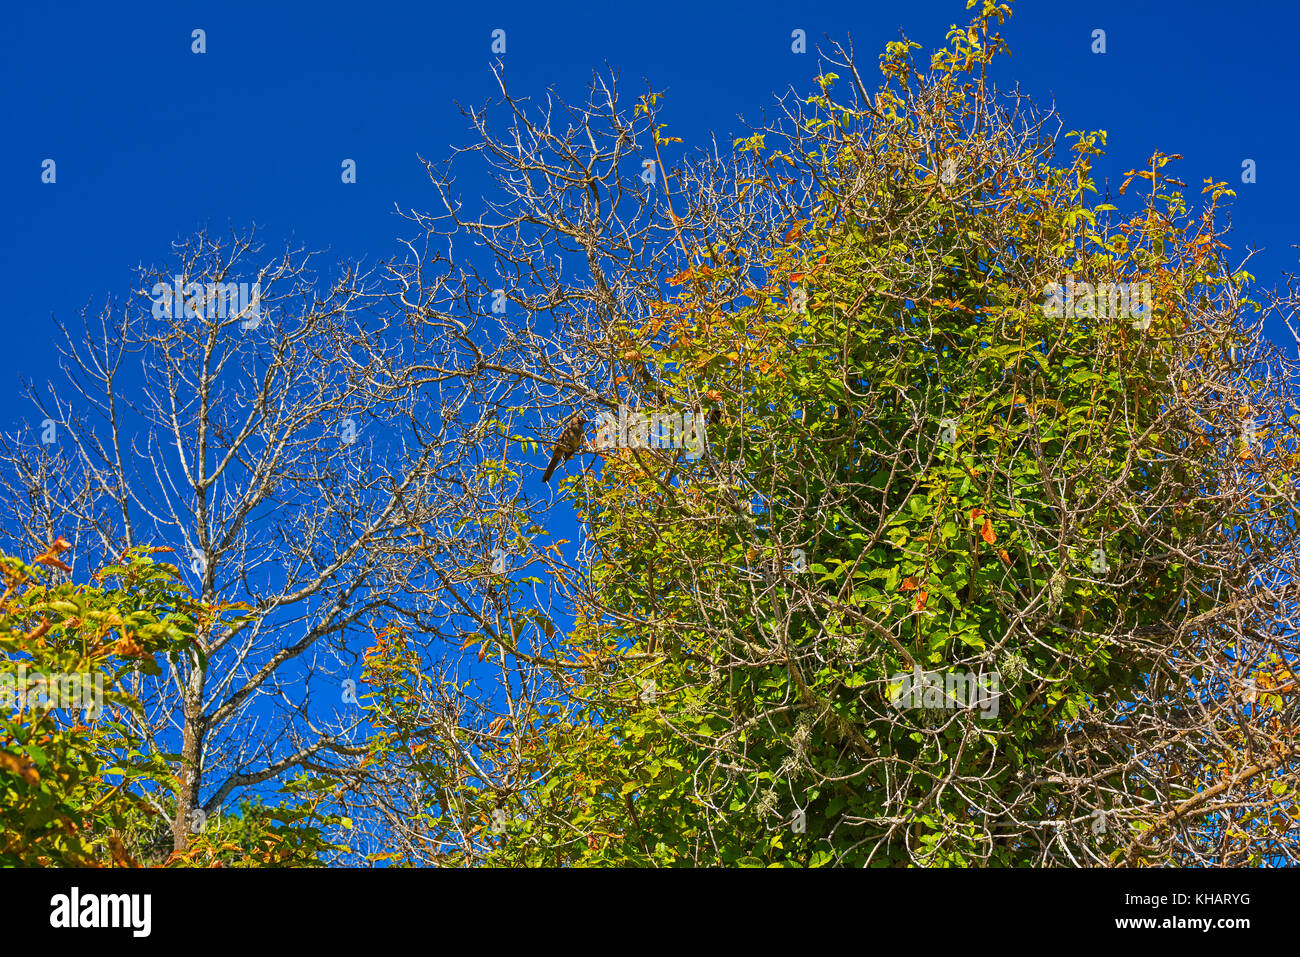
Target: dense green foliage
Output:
[(919, 460), (80, 786)]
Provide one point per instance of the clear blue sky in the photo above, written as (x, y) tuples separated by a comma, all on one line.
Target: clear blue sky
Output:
[(152, 141)]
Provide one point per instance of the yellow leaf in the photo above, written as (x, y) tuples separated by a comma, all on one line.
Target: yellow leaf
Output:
[(20, 766)]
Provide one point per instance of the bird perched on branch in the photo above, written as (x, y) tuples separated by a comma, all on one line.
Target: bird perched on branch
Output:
[(567, 444)]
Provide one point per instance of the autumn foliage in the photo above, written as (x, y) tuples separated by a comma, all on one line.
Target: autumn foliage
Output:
[(917, 463)]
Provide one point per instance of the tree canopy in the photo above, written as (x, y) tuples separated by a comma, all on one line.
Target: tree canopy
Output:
[(968, 424), (937, 508)]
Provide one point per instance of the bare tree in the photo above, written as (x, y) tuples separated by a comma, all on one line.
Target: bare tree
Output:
[(273, 437)]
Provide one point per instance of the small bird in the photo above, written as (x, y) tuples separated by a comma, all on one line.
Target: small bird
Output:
[(567, 444)]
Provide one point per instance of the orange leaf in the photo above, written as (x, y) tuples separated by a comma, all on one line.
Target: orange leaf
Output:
[(60, 544), (909, 584), (921, 596), (1002, 554), (128, 647), (20, 766), (118, 849), (986, 532), (51, 555)]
